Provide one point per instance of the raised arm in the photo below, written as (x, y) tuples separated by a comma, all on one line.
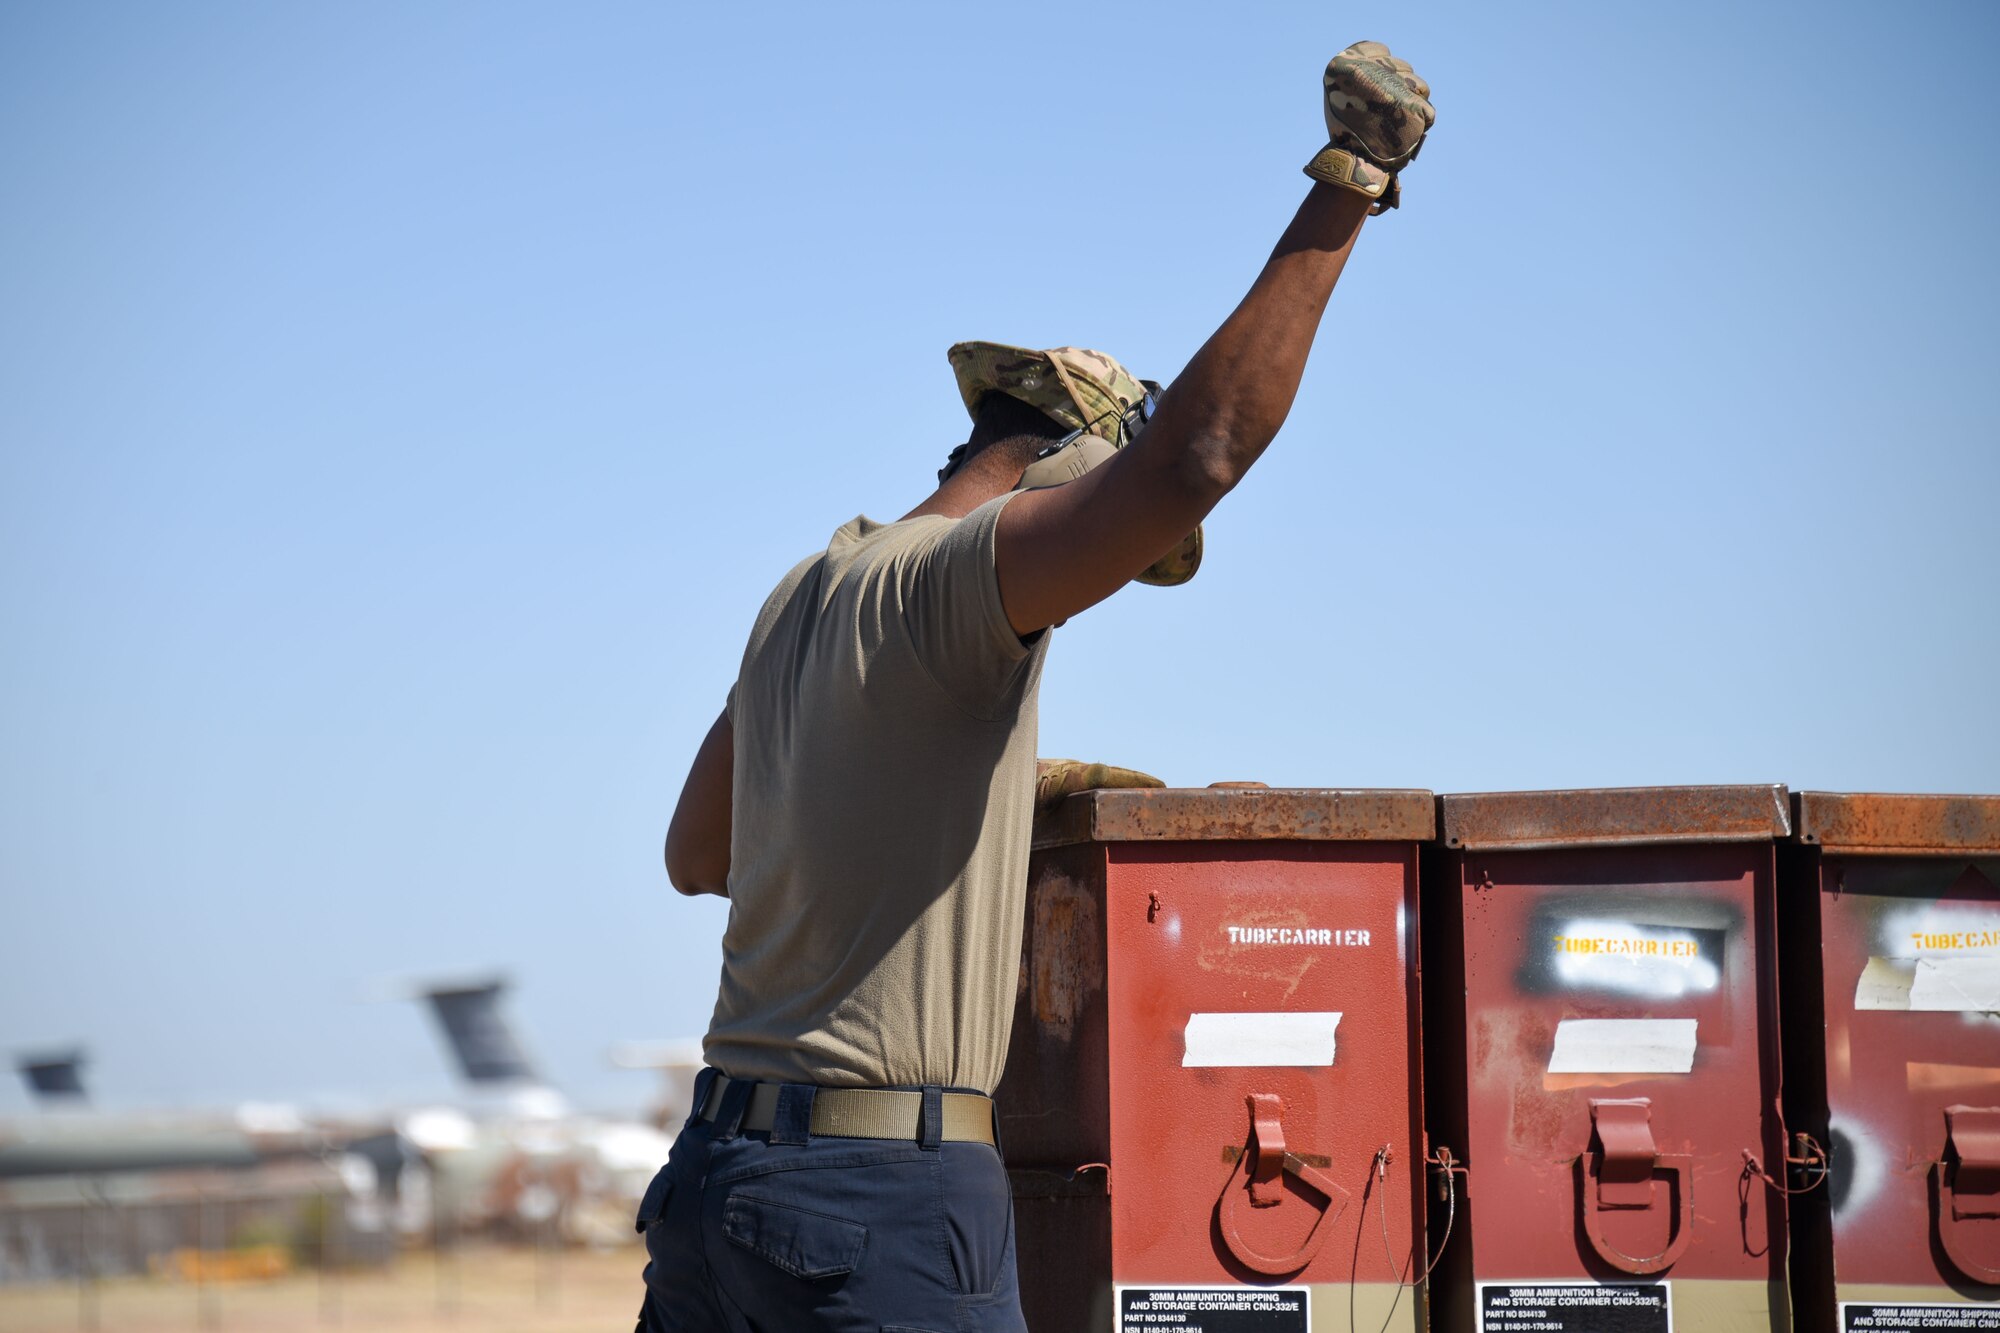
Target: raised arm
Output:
[(698, 836), (1069, 547)]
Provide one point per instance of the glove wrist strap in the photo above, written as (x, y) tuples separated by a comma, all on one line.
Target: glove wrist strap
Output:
[(1340, 168)]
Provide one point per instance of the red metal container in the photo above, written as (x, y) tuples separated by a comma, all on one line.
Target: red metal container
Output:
[(1602, 1042), (1892, 994), (1212, 1108)]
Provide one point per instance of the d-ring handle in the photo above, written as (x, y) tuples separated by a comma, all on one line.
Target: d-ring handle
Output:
[(1624, 1176), (1952, 1240), (1971, 1164), (1263, 1160), (1680, 1171)]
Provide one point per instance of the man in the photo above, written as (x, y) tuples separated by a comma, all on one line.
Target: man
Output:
[(864, 801)]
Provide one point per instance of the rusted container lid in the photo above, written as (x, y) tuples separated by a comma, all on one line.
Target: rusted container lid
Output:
[(1613, 817), (1883, 824), (1240, 814)]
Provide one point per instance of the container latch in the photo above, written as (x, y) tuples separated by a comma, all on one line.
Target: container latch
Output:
[(1625, 1176), (1620, 1174), (1267, 1150), (1969, 1183), (1264, 1163)]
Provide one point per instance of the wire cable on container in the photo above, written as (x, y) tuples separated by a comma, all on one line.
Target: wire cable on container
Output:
[(1442, 1161)]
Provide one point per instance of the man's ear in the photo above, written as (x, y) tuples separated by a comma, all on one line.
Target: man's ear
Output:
[(952, 462)]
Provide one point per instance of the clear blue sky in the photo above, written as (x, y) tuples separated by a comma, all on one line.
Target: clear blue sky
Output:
[(403, 409)]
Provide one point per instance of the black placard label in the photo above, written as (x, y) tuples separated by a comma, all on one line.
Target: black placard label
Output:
[(1213, 1310), (1899, 1318), (1574, 1307)]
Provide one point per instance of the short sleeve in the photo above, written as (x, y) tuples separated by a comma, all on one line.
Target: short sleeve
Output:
[(957, 623)]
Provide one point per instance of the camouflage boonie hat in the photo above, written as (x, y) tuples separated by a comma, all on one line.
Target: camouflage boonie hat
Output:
[(1082, 389), (1079, 388)]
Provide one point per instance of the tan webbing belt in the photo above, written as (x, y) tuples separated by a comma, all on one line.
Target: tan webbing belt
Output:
[(864, 1113)]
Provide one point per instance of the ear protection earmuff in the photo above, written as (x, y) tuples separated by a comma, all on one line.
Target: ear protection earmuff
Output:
[(1066, 460), (1079, 451)]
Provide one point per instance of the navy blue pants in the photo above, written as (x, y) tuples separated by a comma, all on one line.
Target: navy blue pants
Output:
[(780, 1232)]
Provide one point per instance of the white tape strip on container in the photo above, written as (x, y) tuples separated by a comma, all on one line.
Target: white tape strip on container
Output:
[(1965, 984), (1245, 1040), (1623, 1046)]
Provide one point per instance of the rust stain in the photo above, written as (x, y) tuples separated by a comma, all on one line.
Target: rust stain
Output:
[(1255, 962), (1615, 816), (1513, 1046), (1232, 1153), (1310, 960), (1065, 957), (1925, 1076), (1481, 1045), (1572, 1082), (1881, 824), (1239, 814), (1535, 1122)]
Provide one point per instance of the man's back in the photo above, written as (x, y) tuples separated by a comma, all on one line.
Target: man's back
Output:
[(866, 802), (884, 720)]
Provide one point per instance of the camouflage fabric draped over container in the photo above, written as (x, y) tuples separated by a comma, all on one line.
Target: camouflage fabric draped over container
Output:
[(1058, 779)]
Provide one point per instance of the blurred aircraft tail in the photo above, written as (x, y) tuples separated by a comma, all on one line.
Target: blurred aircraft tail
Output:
[(487, 1049), (54, 1077)]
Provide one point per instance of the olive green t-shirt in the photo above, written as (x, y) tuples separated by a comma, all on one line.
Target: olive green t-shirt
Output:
[(884, 720)]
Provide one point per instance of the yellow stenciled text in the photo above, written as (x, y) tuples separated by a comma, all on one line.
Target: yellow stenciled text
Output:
[(1627, 946), (1943, 941)]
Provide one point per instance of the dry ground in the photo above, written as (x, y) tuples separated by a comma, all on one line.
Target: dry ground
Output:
[(484, 1291)]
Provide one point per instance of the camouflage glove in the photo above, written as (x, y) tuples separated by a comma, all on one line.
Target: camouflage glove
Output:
[(1377, 113), (1056, 779)]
